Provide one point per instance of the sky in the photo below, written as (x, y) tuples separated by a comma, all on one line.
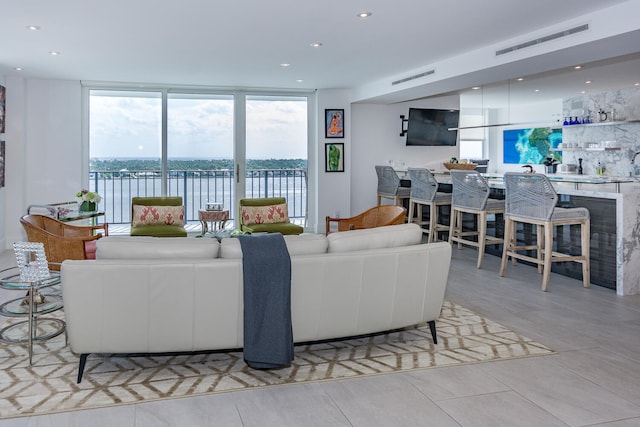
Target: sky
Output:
[(198, 127)]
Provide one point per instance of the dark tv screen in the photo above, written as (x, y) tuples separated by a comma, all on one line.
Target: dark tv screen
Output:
[(431, 127)]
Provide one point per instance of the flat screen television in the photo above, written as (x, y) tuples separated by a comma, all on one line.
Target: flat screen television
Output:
[(428, 126)]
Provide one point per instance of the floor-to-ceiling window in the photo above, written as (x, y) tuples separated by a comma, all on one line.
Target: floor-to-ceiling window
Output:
[(204, 147)]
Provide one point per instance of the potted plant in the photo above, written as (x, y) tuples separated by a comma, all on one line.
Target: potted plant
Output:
[(88, 200)]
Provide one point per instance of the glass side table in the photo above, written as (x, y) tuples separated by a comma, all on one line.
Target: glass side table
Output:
[(32, 306)]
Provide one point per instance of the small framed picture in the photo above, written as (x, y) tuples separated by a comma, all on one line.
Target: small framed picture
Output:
[(334, 123), (334, 157)]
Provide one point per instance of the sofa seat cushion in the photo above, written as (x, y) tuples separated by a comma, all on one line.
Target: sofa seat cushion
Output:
[(125, 247), (390, 236), (304, 244), (285, 228)]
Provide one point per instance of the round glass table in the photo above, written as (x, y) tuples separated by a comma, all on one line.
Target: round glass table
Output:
[(33, 306)]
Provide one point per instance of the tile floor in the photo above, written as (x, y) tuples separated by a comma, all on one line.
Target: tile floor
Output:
[(593, 380)]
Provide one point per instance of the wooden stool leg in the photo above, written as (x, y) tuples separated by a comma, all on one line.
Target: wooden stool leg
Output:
[(482, 236), (433, 223), (411, 206), (452, 225), (548, 253), (585, 231), (508, 243), (540, 244)]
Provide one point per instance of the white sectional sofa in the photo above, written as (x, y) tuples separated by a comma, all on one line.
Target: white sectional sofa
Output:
[(154, 295)]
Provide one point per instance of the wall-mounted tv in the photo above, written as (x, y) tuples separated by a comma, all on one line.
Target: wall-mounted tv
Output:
[(427, 126), (531, 145)]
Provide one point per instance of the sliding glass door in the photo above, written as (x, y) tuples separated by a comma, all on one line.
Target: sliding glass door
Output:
[(205, 147)]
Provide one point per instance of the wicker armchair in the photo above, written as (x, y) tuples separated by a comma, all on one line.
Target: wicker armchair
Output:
[(61, 240), (378, 216)]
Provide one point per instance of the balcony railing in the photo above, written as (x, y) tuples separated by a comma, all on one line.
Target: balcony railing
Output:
[(197, 188)]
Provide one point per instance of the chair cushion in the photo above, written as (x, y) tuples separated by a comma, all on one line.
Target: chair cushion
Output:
[(272, 214), (563, 214), (157, 215), (90, 249), (281, 227), (159, 230)]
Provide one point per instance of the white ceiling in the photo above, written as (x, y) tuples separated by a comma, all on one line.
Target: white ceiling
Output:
[(242, 43)]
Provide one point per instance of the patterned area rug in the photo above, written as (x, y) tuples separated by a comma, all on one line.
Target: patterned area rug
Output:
[(50, 384)]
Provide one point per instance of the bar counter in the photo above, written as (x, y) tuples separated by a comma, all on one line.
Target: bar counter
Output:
[(613, 203)]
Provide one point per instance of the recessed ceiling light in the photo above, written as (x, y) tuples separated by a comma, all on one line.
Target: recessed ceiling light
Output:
[(520, 79), (536, 90), (587, 82), (54, 53), (476, 88), (299, 81), (364, 14), (316, 44), (18, 68), (637, 84), (583, 92), (285, 65), (33, 27)]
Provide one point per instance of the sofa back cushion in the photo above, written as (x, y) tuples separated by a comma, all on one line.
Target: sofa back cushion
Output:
[(271, 214), (144, 247), (303, 244), (389, 236), (157, 215)]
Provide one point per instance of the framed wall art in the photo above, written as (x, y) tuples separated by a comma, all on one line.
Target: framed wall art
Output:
[(2, 162), (334, 157), (3, 104), (334, 123)]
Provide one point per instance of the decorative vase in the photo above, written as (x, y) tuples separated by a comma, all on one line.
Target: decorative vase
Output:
[(87, 206)]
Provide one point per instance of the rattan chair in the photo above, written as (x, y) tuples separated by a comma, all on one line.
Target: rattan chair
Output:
[(389, 186), (471, 196), (61, 240), (424, 192), (531, 199), (377, 216)]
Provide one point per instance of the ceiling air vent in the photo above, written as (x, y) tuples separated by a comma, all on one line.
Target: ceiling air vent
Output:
[(417, 76), (544, 39)]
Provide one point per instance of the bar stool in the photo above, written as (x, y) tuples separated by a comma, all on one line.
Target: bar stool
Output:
[(389, 186), (424, 191), (471, 195), (531, 199)]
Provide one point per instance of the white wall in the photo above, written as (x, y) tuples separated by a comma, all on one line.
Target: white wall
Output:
[(334, 188), (43, 147), (3, 205), (376, 140)]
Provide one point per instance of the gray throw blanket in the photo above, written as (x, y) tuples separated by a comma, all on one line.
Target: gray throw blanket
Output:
[(268, 334)]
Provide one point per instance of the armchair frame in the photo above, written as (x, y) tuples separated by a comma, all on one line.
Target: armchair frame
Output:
[(377, 216), (61, 240)]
